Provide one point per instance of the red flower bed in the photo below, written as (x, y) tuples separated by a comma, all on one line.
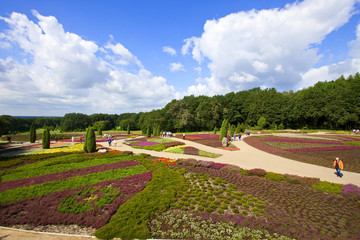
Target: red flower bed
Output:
[(168, 161), (322, 148), (44, 210), (64, 175), (191, 151), (299, 140)]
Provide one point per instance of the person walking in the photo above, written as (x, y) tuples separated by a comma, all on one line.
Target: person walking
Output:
[(183, 136), (109, 141), (115, 142), (338, 164), (239, 136)]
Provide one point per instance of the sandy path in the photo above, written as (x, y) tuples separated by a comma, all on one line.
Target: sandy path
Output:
[(249, 157)]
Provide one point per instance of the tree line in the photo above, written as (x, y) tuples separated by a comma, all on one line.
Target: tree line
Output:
[(326, 105)]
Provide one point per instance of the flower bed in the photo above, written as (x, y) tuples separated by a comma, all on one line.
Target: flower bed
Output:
[(322, 156)]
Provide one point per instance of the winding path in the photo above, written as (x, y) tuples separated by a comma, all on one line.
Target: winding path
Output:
[(249, 157)]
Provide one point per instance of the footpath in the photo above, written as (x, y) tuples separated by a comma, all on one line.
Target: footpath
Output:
[(249, 157)]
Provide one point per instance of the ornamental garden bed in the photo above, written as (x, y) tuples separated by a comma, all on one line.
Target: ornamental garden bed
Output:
[(168, 145), (128, 196), (211, 140), (313, 151)]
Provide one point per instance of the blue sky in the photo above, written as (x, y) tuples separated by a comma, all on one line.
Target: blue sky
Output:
[(112, 56)]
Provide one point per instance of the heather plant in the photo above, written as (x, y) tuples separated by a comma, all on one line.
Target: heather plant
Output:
[(351, 191)]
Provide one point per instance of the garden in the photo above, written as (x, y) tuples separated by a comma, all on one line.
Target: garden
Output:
[(211, 140), (168, 145), (119, 194), (319, 150)]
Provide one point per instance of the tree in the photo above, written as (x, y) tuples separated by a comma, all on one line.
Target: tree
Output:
[(128, 129), (148, 131), (99, 131), (32, 135), (46, 139), (224, 129), (90, 140), (261, 122), (232, 130), (86, 139), (215, 129)]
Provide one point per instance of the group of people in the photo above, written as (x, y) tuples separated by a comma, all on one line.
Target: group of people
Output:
[(356, 131), (166, 134), (234, 137)]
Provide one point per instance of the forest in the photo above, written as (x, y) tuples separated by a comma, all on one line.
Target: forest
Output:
[(326, 105)]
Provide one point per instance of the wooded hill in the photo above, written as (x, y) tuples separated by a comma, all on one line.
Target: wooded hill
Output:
[(326, 105)]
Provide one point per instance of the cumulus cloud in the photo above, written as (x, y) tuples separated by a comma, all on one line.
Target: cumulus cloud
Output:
[(272, 47), (175, 67), (59, 72), (169, 50)]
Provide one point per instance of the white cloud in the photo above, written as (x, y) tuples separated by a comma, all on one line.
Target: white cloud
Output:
[(175, 67), (275, 46), (333, 71), (61, 72), (169, 50)]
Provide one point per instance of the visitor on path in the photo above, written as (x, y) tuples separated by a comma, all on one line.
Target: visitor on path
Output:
[(338, 164), (56, 139), (234, 137), (115, 142), (80, 139), (109, 141), (183, 136), (239, 136), (72, 139)]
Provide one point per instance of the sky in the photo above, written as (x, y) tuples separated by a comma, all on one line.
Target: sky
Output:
[(114, 57)]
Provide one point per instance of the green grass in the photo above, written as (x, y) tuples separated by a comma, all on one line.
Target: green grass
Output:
[(328, 187)]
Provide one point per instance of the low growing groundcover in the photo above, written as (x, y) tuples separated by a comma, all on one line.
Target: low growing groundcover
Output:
[(313, 151), (169, 145), (182, 199)]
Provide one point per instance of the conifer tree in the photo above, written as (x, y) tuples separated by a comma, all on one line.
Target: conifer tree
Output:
[(99, 131), (148, 132), (86, 140), (32, 133), (46, 139), (128, 129), (215, 129), (224, 129), (91, 141)]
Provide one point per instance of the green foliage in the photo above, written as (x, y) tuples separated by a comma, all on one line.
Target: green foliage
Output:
[(131, 220), (328, 187), (99, 131), (281, 126), (232, 130), (90, 141), (208, 154), (70, 183), (223, 129), (46, 139), (128, 129), (148, 131), (86, 140), (32, 136), (159, 147), (215, 130), (68, 164), (262, 122)]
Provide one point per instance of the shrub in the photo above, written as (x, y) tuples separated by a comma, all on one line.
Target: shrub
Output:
[(32, 133), (204, 164), (91, 141), (257, 172), (187, 162), (46, 139), (232, 168)]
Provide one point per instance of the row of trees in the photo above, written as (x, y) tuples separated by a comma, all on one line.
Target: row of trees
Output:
[(330, 105)]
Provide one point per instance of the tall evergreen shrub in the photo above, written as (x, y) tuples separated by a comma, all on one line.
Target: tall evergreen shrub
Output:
[(86, 139), (215, 130), (46, 139), (128, 129), (232, 130), (32, 132), (224, 129), (91, 141), (148, 132), (99, 131)]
